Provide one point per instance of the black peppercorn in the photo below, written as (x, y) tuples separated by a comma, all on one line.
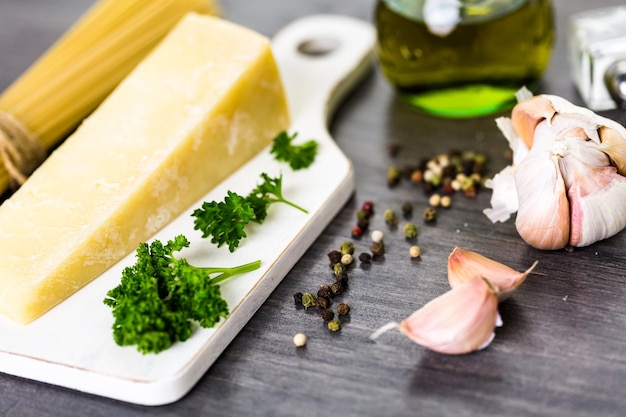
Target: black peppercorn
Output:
[(334, 256), (343, 278), (343, 309), (365, 257), (297, 297), (336, 288), (322, 302), (363, 224), (407, 208), (327, 314), (324, 291)]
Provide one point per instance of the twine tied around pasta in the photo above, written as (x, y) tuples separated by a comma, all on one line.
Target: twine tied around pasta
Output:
[(20, 151)]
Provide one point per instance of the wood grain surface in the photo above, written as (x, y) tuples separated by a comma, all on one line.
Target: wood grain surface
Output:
[(561, 351)]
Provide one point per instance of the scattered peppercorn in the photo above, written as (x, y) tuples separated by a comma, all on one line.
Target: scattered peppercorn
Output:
[(327, 314), (410, 230), (407, 208), (334, 256), (343, 309), (363, 224), (347, 259), (430, 214), (377, 236), (434, 200), (390, 217), (308, 300), (336, 288), (393, 150), (368, 207), (357, 232), (297, 298), (299, 340), (393, 176), (415, 251), (347, 247), (365, 257), (343, 279), (339, 268), (322, 302), (446, 201), (417, 176), (362, 214), (334, 325), (324, 291), (377, 248)]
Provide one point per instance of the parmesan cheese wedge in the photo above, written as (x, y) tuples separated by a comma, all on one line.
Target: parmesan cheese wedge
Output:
[(205, 101)]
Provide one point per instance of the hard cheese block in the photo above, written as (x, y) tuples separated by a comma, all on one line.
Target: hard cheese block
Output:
[(205, 101)]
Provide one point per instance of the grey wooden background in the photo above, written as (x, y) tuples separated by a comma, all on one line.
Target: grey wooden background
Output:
[(562, 351)]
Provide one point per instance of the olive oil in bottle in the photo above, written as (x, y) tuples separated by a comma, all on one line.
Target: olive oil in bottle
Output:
[(463, 58)]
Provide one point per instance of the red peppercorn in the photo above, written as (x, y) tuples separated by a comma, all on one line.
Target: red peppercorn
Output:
[(357, 231), (368, 206)]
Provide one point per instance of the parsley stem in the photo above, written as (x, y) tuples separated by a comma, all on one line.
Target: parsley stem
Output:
[(282, 200), (226, 273)]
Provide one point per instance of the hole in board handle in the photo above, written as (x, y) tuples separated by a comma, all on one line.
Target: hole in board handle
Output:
[(318, 46)]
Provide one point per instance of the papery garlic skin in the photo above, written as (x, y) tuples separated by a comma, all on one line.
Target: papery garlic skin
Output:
[(568, 173), (464, 265), (460, 321)]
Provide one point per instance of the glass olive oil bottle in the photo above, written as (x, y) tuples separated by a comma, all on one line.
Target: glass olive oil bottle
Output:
[(463, 58)]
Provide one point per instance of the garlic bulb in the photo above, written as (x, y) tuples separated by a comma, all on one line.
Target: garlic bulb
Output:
[(567, 174), (464, 265)]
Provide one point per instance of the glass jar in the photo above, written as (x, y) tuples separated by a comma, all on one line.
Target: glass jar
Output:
[(463, 58)]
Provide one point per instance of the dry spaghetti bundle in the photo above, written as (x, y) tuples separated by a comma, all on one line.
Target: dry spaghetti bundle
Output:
[(71, 79)]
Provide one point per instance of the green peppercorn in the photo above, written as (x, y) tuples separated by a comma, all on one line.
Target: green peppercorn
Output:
[(343, 309), (297, 297), (390, 217), (410, 230), (338, 269), (430, 214), (327, 314), (322, 302), (334, 325), (407, 208), (393, 176), (308, 300), (362, 214), (378, 248), (347, 247), (334, 256)]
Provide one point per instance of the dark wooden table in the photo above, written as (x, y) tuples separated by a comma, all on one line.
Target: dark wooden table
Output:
[(561, 352)]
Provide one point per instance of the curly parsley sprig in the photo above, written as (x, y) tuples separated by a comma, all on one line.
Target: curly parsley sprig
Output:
[(160, 297), (297, 156), (225, 221)]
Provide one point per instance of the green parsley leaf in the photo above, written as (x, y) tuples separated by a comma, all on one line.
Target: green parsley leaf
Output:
[(297, 156), (160, 297)]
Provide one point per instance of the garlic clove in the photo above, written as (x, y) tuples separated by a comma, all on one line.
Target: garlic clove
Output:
[(459, 321), (543, 215), (527, 114), (614, 145), (592, 219), (464, 265)]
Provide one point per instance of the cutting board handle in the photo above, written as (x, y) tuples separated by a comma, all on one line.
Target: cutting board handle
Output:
[(321, 58)]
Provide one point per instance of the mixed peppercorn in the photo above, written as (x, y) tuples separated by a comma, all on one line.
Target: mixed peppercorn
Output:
[(440, 177)]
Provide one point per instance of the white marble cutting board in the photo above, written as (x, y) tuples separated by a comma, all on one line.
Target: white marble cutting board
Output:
[(72, 345)]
